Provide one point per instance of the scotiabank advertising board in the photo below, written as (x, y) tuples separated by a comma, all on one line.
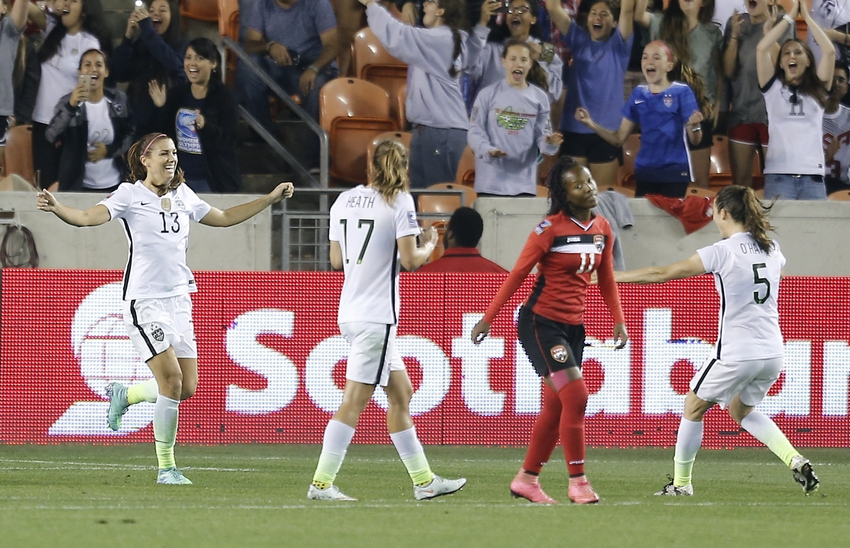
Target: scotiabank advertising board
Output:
[(272, 362)]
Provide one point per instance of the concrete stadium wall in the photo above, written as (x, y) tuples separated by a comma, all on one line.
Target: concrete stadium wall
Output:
[(809, 233), (246, 246)]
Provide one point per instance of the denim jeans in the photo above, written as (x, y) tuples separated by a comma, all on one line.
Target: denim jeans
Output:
[(434, 155), (253, 95), (794, 187)]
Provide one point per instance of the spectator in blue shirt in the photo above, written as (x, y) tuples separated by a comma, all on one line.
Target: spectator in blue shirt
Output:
[(295, 42)]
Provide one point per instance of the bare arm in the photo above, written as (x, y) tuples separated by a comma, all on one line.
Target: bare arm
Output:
[(19, 13), (616, 138), (766, 48), (255, 43), (626, 23), (413, 256), (93, 216), (826, 65), (330, 48), (35, 15), (336, 255), (559, 16), (642, 17), (660, 274), (237, 214)]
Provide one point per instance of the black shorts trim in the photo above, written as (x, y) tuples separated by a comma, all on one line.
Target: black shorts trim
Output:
[(551, 346), (144, 335), (383, 361), (704, 375), (591, 146)]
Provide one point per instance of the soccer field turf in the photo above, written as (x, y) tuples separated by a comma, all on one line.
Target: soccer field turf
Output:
[(255, 495)]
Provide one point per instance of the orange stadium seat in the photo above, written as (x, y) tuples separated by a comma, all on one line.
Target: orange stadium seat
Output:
[(374, 64), (697, 191), (228, 11), (400, 98), (542, 191), (466, 168), (626, 172), (200, 10), (352, 112), (19, 153), (402, 137), (840, 195)]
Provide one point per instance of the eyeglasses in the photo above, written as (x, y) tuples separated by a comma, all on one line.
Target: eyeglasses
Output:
[(519, 11)]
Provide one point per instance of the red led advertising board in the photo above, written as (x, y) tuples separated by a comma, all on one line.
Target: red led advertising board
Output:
[(272, 362)]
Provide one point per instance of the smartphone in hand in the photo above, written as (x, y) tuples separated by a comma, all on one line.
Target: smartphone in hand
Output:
[(85, 80)]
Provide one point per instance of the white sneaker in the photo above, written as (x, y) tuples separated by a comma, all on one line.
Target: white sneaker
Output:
[(671, 490), (331, 493), (438, 487)]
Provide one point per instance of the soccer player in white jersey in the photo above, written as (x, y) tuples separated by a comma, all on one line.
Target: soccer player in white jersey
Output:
[(155, 212), (747, 357), (373, 229)]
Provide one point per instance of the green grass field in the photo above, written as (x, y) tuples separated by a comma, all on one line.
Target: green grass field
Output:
[(254, 495)]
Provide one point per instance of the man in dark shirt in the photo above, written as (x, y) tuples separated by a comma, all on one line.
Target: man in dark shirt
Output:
[(463, 232)]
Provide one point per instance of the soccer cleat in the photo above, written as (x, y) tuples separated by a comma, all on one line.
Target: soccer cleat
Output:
[(118, 404), (581, 492), (532, 492), (438, 487), (804, 474), (671, 490), (172, 476), (331, 493)]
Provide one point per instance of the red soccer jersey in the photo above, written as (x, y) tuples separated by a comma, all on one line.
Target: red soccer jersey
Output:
[(566, 252)]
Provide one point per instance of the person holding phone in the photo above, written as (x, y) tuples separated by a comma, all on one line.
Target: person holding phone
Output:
[(200, 114), (152, 49), (94, 125)]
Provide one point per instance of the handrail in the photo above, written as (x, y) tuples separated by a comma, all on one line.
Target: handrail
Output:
[(280, 93)]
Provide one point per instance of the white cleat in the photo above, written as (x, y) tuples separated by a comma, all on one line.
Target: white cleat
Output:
[(172, 476), (438, 487), (331, 493), (671, 490)]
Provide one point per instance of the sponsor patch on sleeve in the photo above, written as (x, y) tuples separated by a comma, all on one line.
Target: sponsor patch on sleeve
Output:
[(539, 229), (411, 219)]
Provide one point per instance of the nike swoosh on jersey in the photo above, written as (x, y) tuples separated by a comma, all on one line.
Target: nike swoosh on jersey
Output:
[(639, 102), (145, 203)]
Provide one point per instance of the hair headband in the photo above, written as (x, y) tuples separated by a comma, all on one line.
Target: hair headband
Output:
[(666, 48), (159, 136)]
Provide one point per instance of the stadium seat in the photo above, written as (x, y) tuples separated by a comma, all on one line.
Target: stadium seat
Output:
[(840, 195), (352, 112), (466, 169), (697, 191), (401, 136), (374, 64), (444, 203), (626, 172), (19, 153), (542, 191), (228, 11), (760, 194), (201, 10), (720, 155), (544, 167), (400, 98)]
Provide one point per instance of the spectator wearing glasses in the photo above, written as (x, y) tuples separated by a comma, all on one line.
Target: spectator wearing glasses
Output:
[(520, 23), (795, 94), (836, 133)]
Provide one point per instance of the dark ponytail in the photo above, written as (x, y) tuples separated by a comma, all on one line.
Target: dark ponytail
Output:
[(454, 17), (744, 207)]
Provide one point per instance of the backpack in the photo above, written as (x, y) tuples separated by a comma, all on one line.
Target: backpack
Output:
[(18, 248)]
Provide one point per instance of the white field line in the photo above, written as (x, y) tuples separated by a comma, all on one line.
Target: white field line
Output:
[(336, 506)]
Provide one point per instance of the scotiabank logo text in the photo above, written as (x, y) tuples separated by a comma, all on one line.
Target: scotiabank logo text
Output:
[(272, 362)]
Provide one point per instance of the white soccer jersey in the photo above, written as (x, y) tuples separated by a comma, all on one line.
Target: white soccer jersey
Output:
[(836, 126), (367, 228), (157, 230), (795, 129), (747, 281)]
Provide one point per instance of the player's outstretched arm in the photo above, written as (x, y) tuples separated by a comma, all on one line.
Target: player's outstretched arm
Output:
[(92, 216), (660, 274), (237, 214)]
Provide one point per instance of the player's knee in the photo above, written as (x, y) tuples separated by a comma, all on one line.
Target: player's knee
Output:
[(172, 385), (188, 389)]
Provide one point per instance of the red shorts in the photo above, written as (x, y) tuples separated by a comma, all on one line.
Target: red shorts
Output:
[(749, 134)]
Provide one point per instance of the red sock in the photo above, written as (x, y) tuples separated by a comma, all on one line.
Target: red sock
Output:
[(544, 435), (573, 398)]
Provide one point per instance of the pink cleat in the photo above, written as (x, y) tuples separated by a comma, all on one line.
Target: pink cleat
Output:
[(582, 493), (531, 492)]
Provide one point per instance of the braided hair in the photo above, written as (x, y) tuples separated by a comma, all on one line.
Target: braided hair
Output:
[(558, 201)]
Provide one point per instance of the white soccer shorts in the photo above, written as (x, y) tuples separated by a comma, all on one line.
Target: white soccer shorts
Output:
[(156, 324), (720, 382), (373, 352)]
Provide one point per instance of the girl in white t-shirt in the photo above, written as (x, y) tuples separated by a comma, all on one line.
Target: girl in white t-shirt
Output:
[(795, 90), (74, 27), (747, 358), (94, 126), (155, 212)]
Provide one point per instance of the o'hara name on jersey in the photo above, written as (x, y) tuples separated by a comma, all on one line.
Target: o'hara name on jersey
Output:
[(360, 202), (751, 248)]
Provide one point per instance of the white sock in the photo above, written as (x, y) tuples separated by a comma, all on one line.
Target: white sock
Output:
[(165, 416), (412, 455), (688, 443), (765, 430), (334, 446)]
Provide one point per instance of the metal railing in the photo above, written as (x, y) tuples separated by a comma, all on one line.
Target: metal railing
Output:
[(324, 162), (304, 230)]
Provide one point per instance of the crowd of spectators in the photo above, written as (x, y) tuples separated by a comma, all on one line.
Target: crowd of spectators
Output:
[(81, 89)]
